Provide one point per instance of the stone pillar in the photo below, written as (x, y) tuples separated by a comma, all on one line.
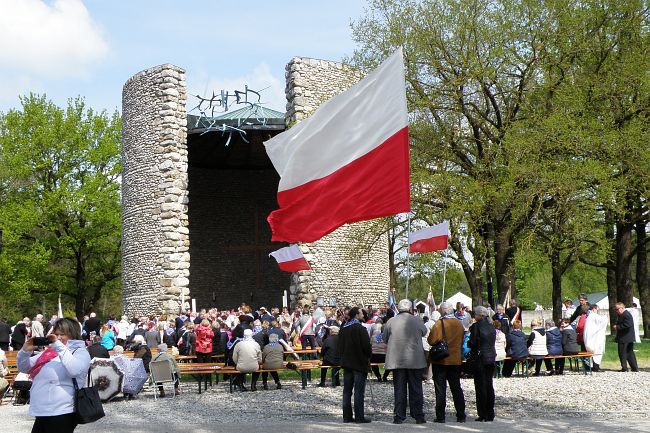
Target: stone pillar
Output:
[(342, 268), (155, 236)]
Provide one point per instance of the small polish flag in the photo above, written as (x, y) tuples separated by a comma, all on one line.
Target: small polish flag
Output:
[(291, 259), (434, 238)]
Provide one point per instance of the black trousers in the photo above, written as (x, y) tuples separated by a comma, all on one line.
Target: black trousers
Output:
[(626, 355), (265, 377), (354, 380), (4, 346), (484, 390), (59, 424), (203, 357), (404, 378), (336, 381), (441, 375)]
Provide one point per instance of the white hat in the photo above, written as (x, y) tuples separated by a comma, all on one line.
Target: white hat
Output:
[(248, 333)]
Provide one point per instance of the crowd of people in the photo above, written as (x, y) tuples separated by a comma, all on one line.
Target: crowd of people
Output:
[(355, 340)]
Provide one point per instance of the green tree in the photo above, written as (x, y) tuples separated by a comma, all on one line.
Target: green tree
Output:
[(60, 213)]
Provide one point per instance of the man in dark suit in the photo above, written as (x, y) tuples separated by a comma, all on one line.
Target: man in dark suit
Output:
[(625, 337), (92, 325), (354, 350)]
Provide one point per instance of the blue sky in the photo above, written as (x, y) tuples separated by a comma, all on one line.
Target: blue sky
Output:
[(66, 48)]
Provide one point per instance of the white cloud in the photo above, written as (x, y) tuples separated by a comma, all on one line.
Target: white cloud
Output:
[(48, 39), (261, 79)]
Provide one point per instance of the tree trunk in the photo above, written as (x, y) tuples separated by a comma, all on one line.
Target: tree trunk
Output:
[(488, 269), (642, 273), (556, 267), (624, 254), (503, 264), (611, 270)]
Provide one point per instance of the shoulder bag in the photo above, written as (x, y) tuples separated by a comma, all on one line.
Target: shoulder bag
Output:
[(440, 350), (87, 404)]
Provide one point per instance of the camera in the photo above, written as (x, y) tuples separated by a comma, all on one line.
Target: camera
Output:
[(41, 341)]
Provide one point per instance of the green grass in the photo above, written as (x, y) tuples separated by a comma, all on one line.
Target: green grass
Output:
[(610, 358), (610, 361)]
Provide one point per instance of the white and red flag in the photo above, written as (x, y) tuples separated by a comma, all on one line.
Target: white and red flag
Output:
[(434, 238), (348, 162), (291, 259)]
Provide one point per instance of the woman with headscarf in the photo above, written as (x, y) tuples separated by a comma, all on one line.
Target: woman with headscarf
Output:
[(53, 372), (247, 357)]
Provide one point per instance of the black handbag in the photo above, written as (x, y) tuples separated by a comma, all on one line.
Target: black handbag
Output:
[(440, 350), (87, 404)]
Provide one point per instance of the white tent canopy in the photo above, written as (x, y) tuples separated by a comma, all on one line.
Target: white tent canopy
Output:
[(459, 297), (603, 304)]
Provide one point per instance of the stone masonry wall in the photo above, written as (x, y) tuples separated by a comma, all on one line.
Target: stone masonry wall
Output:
[(155, 240), (337, 270)]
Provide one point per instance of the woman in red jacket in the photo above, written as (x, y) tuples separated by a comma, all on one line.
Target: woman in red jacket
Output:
[(204, 334)]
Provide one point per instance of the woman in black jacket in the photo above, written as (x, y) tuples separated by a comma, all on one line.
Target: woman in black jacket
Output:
[(481, 343)]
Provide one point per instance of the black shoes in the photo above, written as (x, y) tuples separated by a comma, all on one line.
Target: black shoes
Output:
[(461, 420), (398, 421), (422, 421), (278, 385), (439, 420), (348, 420), (265, 386), (479, 419), (362, 421)]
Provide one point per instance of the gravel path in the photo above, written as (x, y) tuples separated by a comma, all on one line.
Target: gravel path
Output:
[(601, 401)]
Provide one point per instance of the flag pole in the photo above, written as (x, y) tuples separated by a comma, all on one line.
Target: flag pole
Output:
[(408, 256), (444, 277)]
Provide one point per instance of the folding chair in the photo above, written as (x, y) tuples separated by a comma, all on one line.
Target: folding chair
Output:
[(23, 387), (162, 373)]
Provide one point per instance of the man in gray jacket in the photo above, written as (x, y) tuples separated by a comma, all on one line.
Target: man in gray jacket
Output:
[(405, 358)]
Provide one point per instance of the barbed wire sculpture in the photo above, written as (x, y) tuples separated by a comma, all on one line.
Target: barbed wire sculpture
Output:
[(209, 108)]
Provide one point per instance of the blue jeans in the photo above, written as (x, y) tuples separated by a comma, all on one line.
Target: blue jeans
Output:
[(353, 379)]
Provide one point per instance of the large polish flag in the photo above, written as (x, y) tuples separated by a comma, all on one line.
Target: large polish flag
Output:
[(434, 238), (348, 162), (291, 259)]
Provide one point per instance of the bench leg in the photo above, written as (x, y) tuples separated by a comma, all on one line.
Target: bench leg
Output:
[(303, 373)]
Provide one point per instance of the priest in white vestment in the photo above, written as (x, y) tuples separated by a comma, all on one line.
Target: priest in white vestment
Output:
[(594, 335), (634, 311)]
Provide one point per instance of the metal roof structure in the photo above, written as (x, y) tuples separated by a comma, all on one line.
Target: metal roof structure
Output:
[(252, 117)]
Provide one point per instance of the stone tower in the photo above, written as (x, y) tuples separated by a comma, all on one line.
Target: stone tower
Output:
[(341, 268), (156, 269), (155, 241)]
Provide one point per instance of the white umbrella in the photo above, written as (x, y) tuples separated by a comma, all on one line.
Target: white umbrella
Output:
[(135, 375), (106, 377)]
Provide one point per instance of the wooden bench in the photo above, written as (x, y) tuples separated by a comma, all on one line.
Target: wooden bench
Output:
[(579, 358)]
